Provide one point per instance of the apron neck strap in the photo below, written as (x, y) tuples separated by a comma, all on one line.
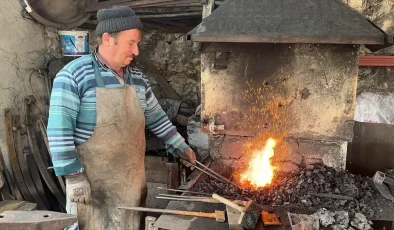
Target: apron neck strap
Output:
[(97, 74)]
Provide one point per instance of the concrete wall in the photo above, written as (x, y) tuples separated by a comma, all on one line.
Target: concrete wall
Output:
[(24, 47)]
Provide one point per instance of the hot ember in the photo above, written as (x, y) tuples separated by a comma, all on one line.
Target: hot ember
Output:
[(260, 171)]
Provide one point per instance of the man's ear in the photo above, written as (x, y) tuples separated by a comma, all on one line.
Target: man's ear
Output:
[(106, 39)]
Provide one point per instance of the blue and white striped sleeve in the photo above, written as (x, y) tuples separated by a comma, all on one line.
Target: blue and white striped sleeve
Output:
[(158, 122), (63, 111)]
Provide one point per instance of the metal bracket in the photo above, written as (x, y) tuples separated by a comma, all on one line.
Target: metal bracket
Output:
[(215, 128)]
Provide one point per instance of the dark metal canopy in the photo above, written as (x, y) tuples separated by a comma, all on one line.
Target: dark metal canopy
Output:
[(287, 21)]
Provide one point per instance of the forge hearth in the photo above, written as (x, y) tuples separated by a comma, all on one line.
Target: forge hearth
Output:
[(302, 95), (301, 192), (282, 69)]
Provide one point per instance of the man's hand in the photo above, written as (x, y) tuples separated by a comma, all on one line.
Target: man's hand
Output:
[(188, 157), (78, 188)]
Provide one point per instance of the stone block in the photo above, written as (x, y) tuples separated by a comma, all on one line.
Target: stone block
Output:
[(232, 147), (312, 161), (288, 167)]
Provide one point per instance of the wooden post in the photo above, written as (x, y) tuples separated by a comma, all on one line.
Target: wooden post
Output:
[(173, 179)]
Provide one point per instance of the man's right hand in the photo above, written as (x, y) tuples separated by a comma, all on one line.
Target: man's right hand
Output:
[(78, 188)]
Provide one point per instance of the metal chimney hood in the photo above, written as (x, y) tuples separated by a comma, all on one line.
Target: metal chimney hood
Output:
[(287, 21)]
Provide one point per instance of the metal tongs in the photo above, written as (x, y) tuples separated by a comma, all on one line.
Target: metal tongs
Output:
[(214, 174)]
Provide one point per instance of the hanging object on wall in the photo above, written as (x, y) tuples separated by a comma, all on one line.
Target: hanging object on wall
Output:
[(60, 14), (74, 43)]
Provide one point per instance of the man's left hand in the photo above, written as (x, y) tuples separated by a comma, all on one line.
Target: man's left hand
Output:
[(188, 157)]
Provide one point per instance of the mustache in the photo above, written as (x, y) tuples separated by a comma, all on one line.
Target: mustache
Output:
[(131, 56)]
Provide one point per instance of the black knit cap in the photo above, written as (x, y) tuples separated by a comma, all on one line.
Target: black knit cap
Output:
[(116, 19)]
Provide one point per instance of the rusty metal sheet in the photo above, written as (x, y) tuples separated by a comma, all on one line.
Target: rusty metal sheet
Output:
[(35, 220), (35, 174), (23, 164), (13, 157), (60, 197), (312, 86)]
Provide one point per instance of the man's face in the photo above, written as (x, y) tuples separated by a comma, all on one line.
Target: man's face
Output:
[(124, 47)]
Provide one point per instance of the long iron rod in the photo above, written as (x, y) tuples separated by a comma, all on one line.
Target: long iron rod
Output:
[(217, 174), (191, 197), (177, 196), (180, 190), (212, 175), (206, 200)]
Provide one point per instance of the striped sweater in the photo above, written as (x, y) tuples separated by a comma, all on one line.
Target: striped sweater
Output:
[(72, 112)]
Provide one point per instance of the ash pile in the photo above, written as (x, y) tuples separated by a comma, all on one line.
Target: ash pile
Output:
[(302, 190), (339, 220)]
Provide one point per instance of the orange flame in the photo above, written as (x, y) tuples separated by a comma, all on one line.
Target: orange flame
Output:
[(260, 171)]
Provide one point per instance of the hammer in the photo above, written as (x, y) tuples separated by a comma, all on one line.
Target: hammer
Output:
[(250, 214), (218, 215)]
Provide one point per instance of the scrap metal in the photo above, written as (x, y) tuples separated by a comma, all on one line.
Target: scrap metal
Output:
[(60, 197), (14, 159), (42, 204)]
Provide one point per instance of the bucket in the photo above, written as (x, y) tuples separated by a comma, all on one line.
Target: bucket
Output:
[(74, 43)]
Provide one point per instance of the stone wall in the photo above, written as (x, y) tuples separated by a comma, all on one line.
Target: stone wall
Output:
[(377, 79), (177, 60), (24, 47)]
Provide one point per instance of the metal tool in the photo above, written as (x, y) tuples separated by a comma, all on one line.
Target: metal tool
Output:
[(197, 198), (9, 138), (185, 191), (250, 214), (202, 199), (216, 175), (183, 196), (218, 215), (32, 220)]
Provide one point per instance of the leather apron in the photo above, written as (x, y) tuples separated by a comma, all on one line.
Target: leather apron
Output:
[(113, 159)]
